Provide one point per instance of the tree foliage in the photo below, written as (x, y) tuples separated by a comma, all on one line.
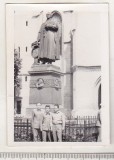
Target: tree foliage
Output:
[(17, 68)]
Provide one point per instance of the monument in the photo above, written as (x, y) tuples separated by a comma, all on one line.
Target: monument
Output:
[(45, 78)]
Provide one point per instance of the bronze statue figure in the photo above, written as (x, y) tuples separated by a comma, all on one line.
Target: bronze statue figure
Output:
[(47, 48)]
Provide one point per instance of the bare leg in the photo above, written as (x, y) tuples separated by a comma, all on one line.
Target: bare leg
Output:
[(44, 134), (49, 136)]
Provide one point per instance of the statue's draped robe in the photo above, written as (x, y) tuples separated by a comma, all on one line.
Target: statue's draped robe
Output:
[(49, 38)]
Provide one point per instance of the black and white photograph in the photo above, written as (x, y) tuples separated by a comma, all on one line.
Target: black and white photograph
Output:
[(57, 72)]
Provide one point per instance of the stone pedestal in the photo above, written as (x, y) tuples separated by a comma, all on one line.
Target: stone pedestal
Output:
[(45, 85)]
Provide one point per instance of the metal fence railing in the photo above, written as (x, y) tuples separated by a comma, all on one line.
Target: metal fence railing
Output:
[(81, 130), (22, 130), (78, 130)]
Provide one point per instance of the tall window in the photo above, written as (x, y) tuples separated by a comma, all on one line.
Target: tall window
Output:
[(19, 49), (26, 78), (26, 23), (19, 107), (26, 49)]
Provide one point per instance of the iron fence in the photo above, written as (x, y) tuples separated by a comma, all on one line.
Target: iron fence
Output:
[(78, 130), (81, 130), (22, 130)]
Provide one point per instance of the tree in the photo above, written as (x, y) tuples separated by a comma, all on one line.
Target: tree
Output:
[(17, 68)]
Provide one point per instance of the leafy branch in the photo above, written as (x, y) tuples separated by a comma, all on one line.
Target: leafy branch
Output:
[(17, 68)]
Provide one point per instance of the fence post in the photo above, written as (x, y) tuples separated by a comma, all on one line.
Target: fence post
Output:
[(84, 129), (27, 129), (69, 130)]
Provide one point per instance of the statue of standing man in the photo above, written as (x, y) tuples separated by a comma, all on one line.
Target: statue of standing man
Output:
[(49, 43)]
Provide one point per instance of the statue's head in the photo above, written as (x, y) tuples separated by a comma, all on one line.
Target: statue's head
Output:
[(48, 15)]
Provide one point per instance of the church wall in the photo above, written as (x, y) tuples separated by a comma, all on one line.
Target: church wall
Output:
[(87, 51), (67, 83), (85, 97), (88, 39)]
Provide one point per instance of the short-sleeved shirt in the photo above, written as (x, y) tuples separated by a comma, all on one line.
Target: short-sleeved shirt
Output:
[(37, 116), (47, 121), (58, 118)]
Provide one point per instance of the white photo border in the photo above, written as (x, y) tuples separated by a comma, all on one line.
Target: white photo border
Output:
[(10, 90)]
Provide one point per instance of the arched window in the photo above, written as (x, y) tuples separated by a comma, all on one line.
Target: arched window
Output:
[(98, 92)]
